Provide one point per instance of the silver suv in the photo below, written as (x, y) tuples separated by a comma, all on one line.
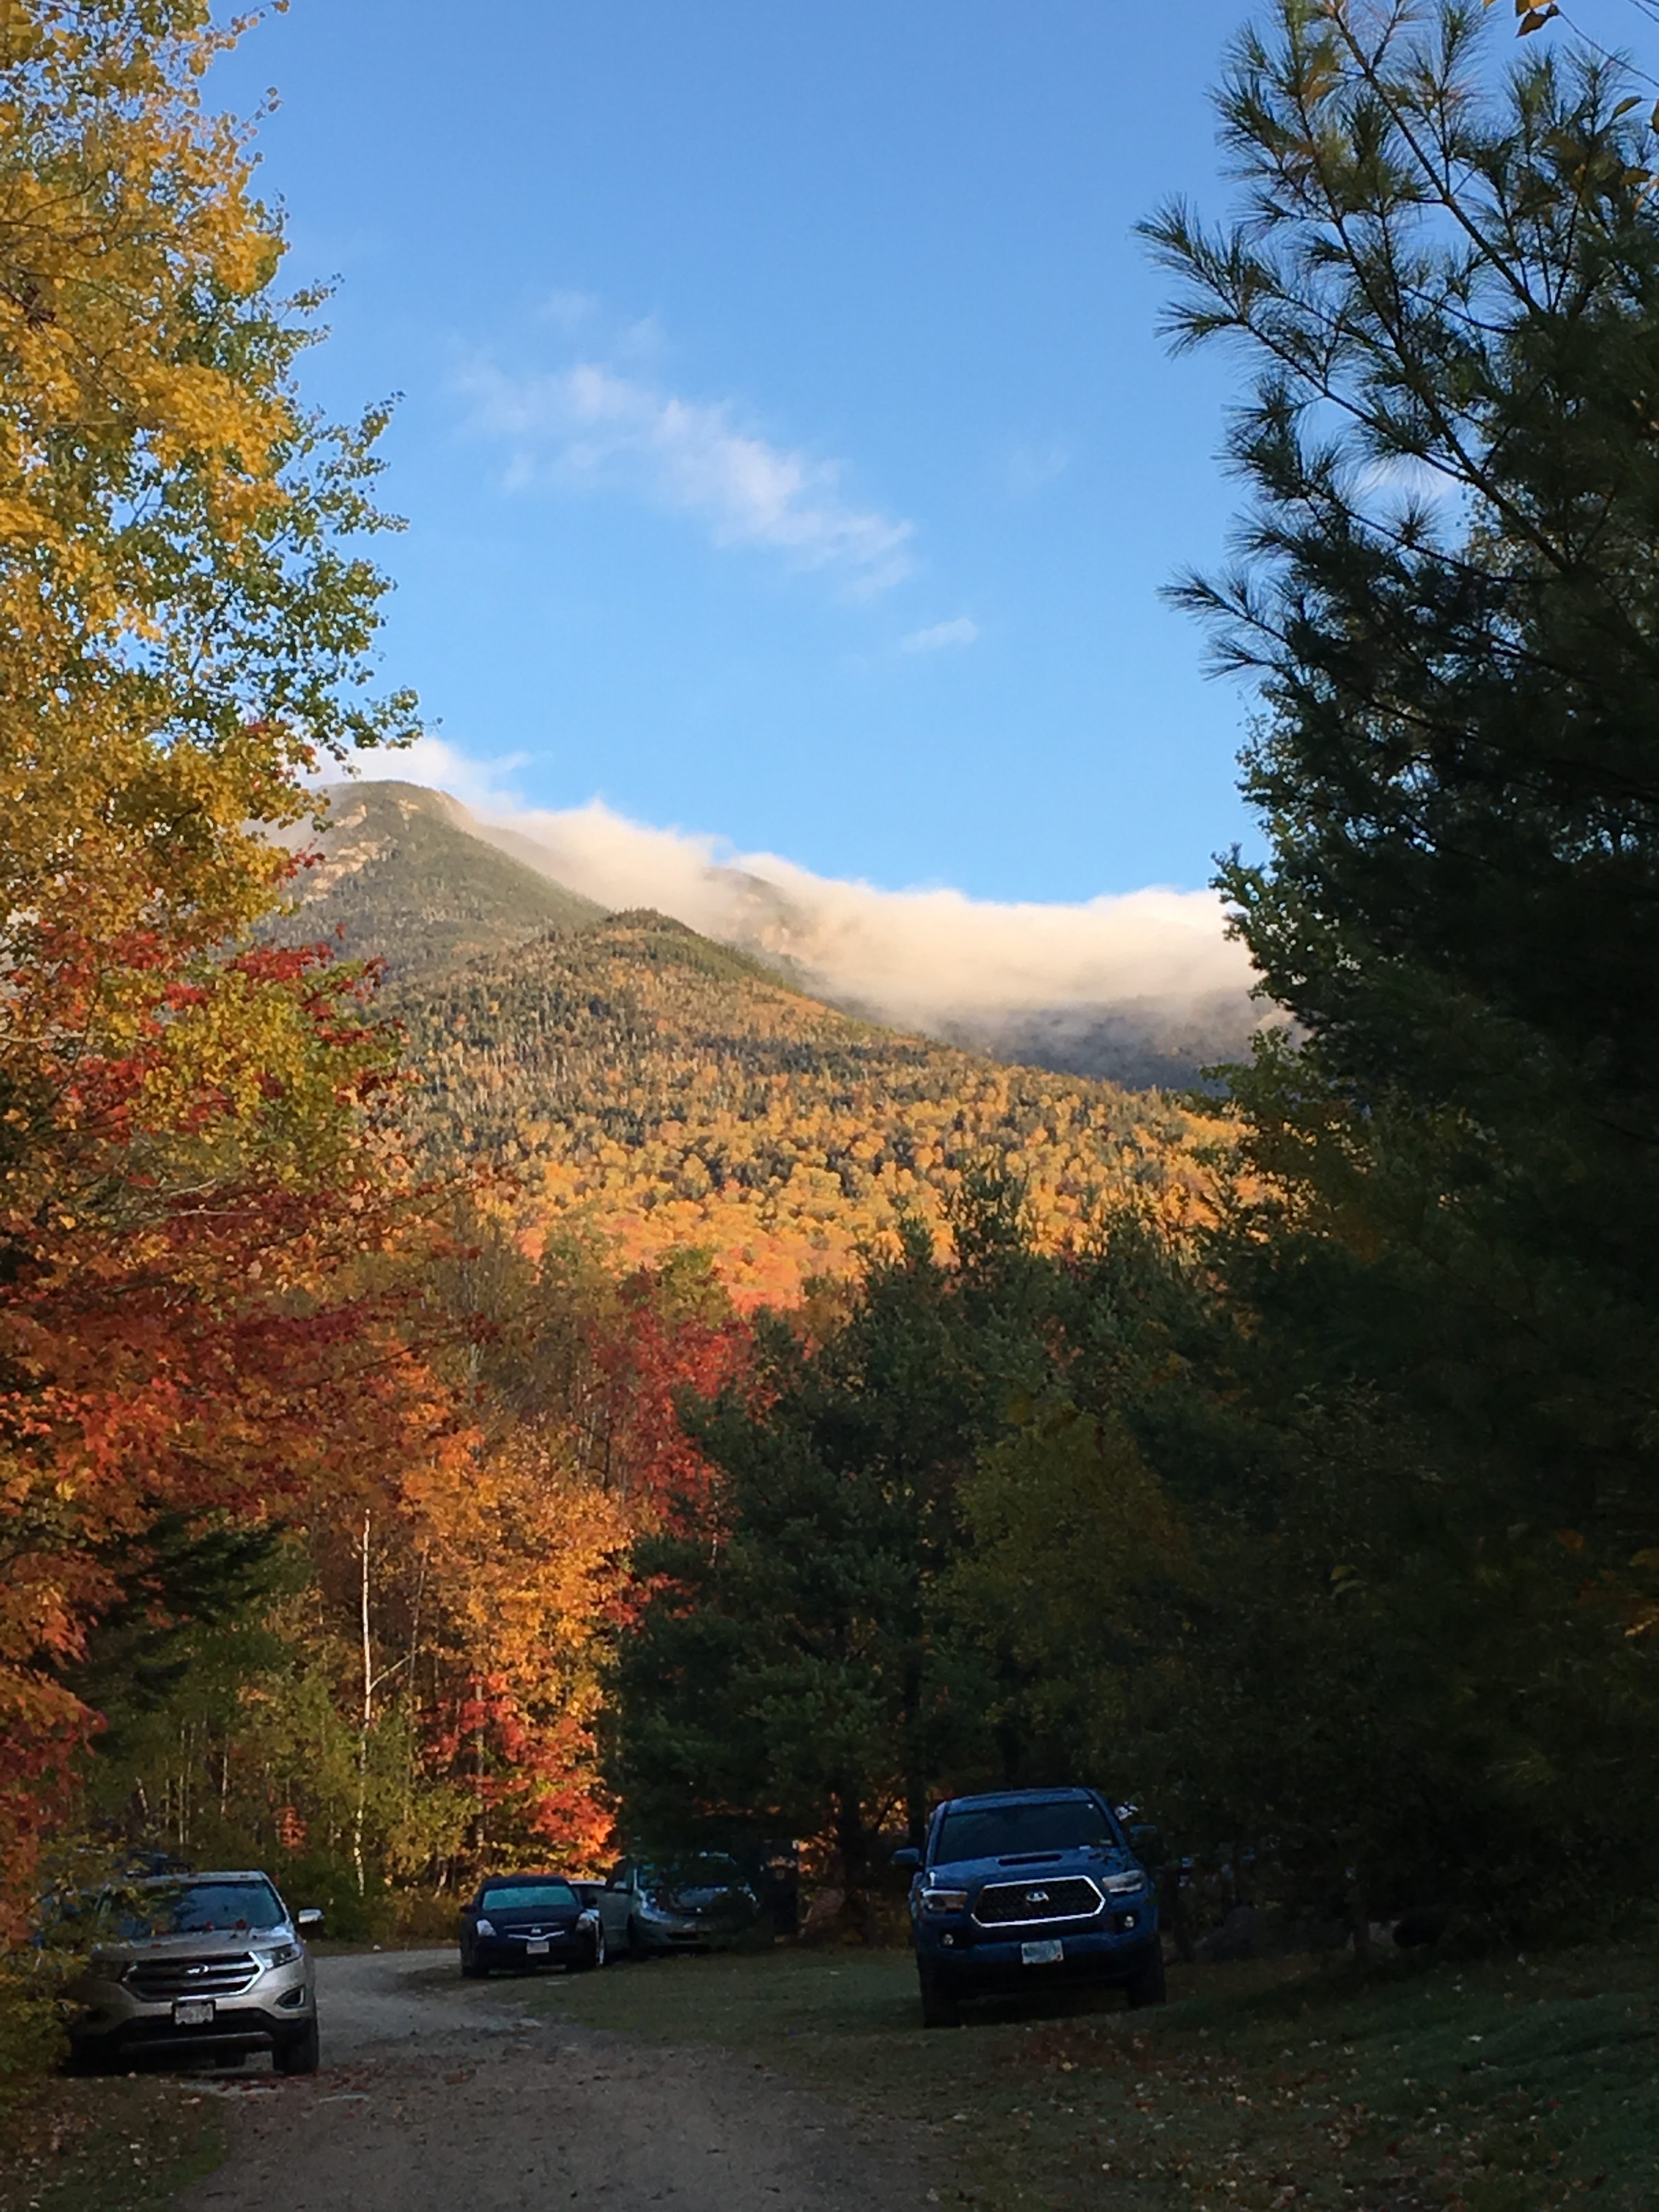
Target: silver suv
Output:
[(203, 1965)]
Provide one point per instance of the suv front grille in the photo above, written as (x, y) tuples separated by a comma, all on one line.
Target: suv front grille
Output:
[(158, 1981), (1017, 1903)]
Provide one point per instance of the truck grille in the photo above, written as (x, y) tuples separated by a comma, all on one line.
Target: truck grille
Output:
[(158, 1981), (1018, 1904)]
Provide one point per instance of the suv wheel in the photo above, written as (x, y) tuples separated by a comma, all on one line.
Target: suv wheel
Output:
[(1147, 1987), (301, 2053), (939, 2005)]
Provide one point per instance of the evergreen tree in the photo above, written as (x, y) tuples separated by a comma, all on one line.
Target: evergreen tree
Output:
[(1449, 281)]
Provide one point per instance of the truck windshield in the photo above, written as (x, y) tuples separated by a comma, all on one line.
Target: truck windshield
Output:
[(1002, 1831)]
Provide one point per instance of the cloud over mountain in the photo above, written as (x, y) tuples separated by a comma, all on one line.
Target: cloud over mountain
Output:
[(1144, 985)]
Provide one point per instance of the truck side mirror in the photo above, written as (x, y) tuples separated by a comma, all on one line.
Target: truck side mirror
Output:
[(908, 1856)]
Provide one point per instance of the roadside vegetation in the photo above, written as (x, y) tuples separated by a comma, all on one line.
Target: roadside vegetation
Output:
[(1505, 2084)]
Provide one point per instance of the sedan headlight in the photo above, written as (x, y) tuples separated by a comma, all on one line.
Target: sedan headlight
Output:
[(483, 1927), (945, 1900), (285, 1954), (1123, 1885)]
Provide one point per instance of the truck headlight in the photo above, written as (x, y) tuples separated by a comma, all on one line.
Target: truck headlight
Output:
[(1123, 1885), (945, 1900)]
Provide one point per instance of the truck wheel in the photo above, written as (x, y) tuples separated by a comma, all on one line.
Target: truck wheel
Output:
[(301, 2053), (940, 2006), (1147, 1987)]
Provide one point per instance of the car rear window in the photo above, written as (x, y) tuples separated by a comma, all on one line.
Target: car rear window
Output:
[(529, 1896), (1002, 1831)]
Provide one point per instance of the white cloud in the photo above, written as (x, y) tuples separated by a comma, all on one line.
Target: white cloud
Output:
[(941, 636), (590, 426), (1029, 464), (483, 785), (911, 952), (565, 310)]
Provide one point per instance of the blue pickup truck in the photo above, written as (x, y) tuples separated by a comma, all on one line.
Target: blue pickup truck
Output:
[(1028, 1887)]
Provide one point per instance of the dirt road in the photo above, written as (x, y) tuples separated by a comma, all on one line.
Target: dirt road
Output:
[(437, 2092)]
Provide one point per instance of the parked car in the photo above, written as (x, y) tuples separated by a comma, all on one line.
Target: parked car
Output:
[(529, 1921), (1026, 1888), (196, 1965), (692, 1901)]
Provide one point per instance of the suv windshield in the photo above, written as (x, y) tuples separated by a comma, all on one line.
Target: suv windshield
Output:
[(1001, 1831), (527, 1896), (702, 1870), (197, 1908)]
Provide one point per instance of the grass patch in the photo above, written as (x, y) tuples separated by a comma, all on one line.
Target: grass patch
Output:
[(87, 2146), (1512, 2084)]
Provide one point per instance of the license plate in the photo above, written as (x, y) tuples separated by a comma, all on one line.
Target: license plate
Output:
[(1047, 1954), (537, 1947), (193, 2012)]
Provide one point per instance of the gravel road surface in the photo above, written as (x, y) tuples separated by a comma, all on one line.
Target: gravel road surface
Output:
[(437, 2092)]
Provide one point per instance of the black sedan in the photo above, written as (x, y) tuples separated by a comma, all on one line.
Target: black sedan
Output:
[(527, 1921)]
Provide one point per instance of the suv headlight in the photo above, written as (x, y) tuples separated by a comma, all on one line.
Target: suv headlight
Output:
[(1123, 1885), (945, 1900), (283, 1954)]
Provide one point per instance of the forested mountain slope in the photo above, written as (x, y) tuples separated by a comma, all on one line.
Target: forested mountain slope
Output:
[(667, 1091), (402, 874)]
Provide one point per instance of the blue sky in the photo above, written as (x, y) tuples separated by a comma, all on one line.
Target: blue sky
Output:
[(788, 451)]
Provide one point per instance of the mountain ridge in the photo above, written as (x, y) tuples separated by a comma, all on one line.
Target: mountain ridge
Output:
[(1134, 1033)]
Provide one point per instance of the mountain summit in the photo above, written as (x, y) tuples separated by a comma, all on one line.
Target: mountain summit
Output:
[(403, 875)]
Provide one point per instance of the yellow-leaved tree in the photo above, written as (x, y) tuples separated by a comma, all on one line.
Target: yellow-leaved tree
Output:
[(188, 1167)]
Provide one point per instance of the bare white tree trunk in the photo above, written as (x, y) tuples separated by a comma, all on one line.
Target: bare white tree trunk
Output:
[(367, 1720)]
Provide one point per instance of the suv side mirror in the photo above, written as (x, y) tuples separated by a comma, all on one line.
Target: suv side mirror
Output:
[(1147, 1843), (907, 1857), (309, 1920)]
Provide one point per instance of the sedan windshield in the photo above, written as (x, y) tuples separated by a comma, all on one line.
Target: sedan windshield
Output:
[(528, 1897), (198, 1908), (1002, 1831)]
